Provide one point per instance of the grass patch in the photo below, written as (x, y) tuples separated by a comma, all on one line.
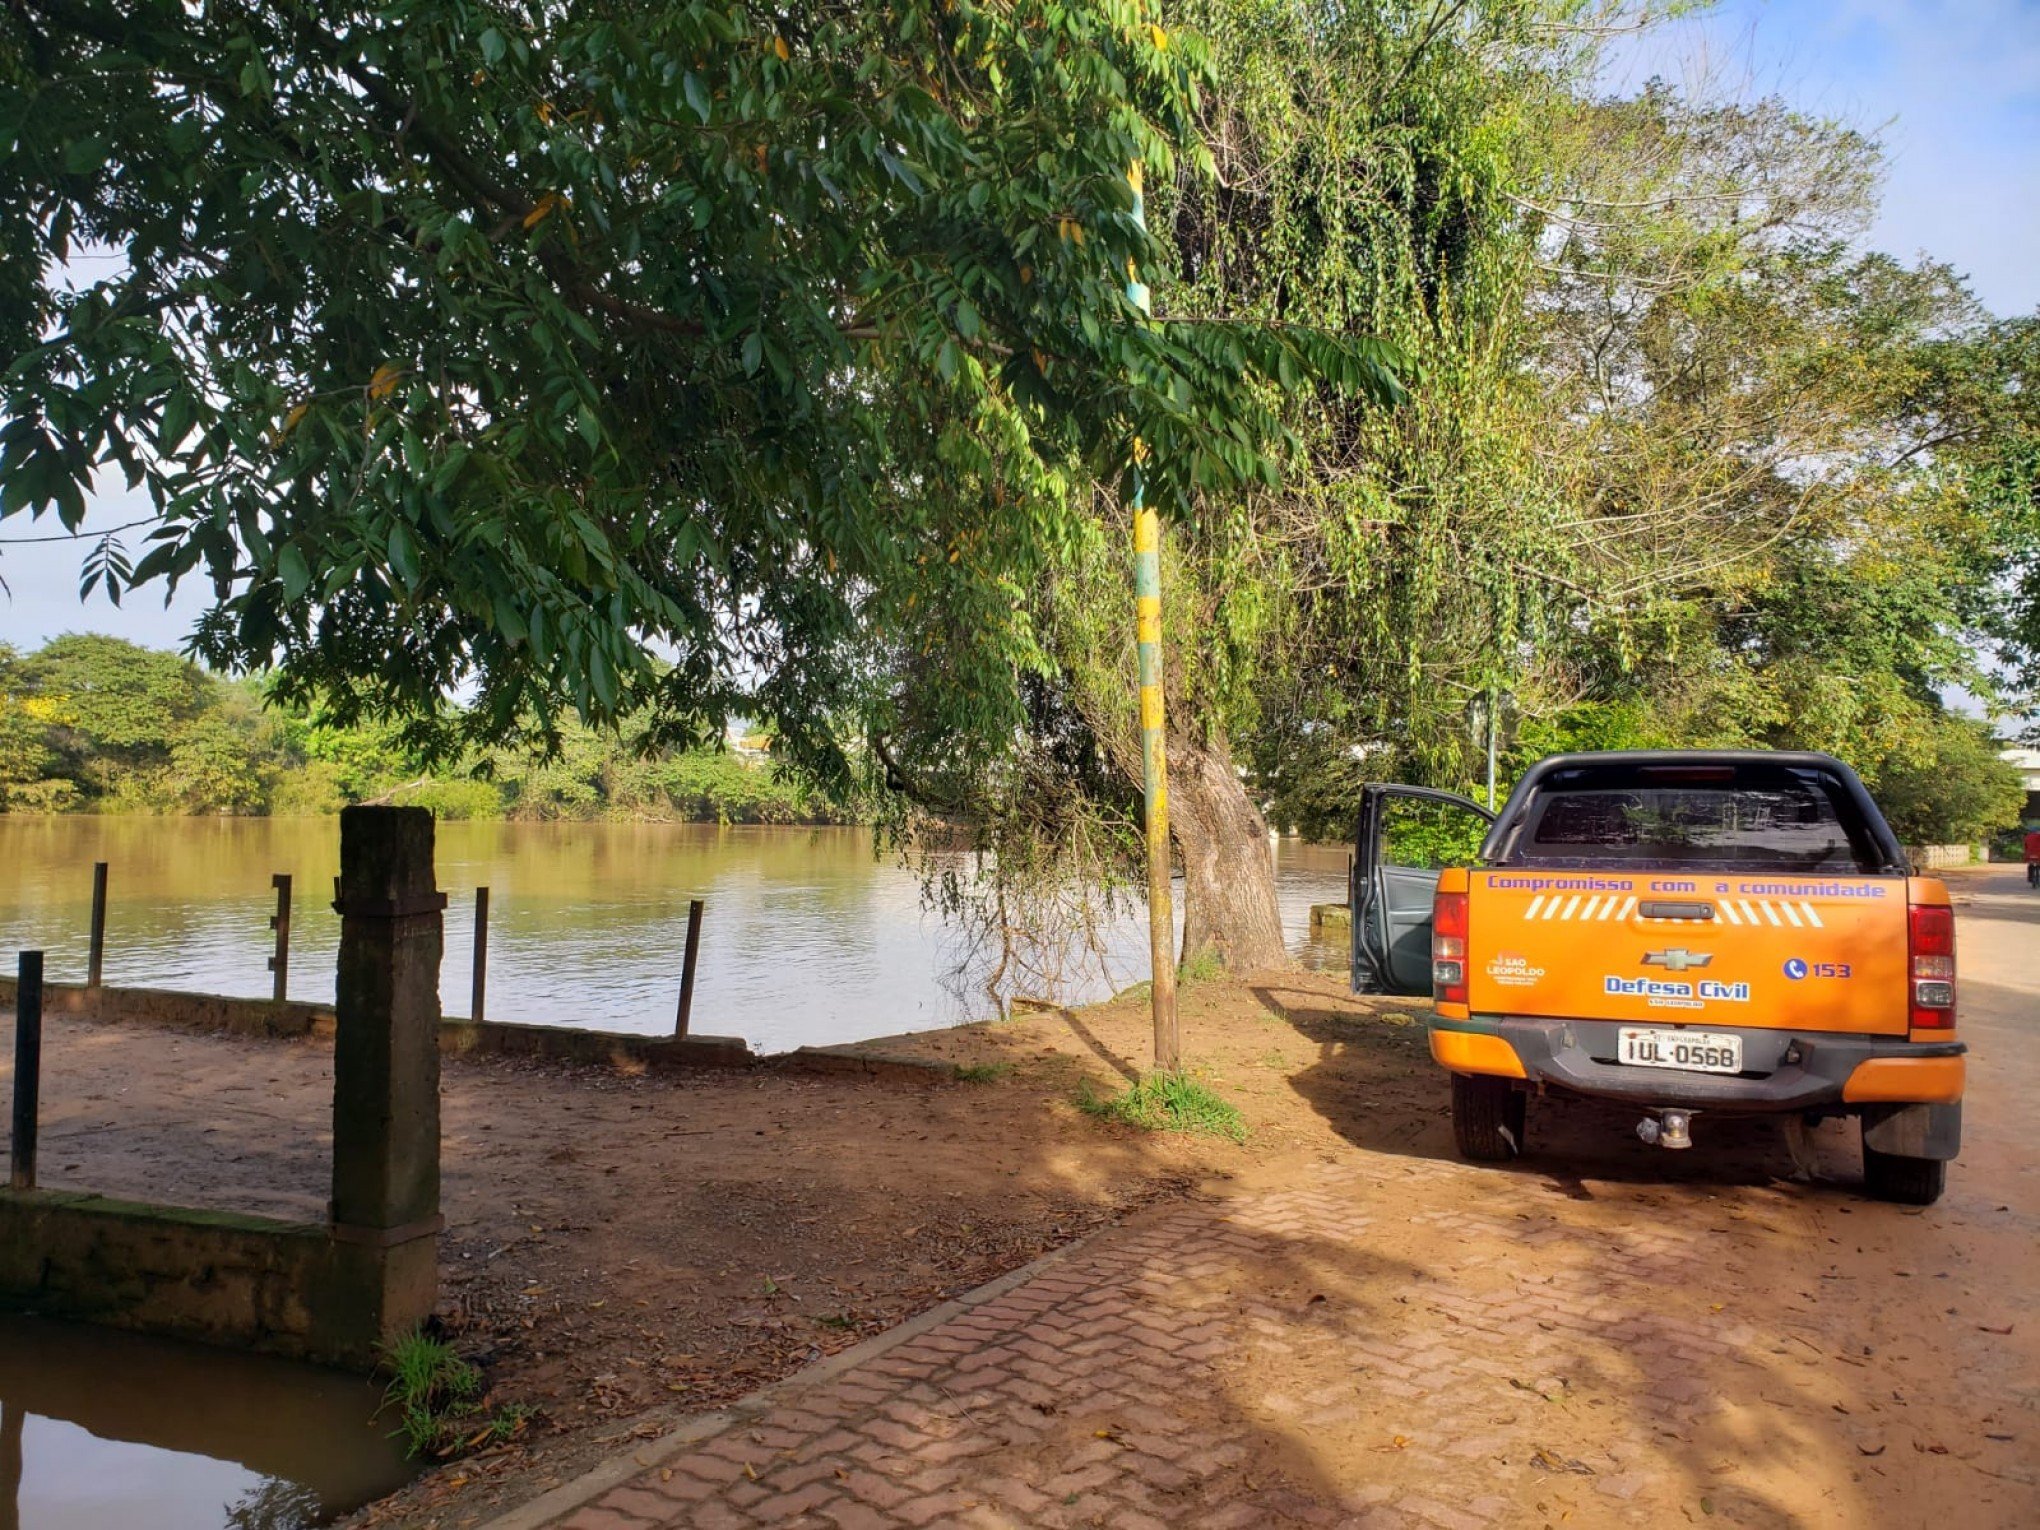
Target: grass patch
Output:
[(441, 1400), (1166, 1102), (982, 1073), (1203, 966)]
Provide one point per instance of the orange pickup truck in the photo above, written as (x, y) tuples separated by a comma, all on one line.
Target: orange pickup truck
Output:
[(1685, 932)]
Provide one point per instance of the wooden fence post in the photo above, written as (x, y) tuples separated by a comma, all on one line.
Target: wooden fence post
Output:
[(687, 966), (280, 922), (481, 954), (28, 1004), (96, 962)]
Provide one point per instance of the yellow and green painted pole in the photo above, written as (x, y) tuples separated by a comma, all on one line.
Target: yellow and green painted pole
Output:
[(1147, 594)]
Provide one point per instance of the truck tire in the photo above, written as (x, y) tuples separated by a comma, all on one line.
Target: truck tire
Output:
[(1487, 1119), (1908, 1181)]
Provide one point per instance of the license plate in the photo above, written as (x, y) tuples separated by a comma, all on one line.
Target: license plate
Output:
[(1693, 1051)]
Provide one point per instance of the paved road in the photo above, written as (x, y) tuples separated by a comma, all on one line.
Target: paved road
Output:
[(1603, 1334)]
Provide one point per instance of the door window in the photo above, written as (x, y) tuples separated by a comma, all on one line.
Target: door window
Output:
[(1426, 834)]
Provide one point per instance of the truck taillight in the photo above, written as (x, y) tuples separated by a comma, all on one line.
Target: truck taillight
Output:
[(1930, 941), (1448, 948)]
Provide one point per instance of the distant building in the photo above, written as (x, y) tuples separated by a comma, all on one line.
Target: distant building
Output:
[(2027, 763)]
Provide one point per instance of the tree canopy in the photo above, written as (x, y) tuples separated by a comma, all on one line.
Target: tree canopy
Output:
[(623, 358), (658, 362), (1687, 465)]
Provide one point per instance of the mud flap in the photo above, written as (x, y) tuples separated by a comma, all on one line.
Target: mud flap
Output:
[(1914, 1131)]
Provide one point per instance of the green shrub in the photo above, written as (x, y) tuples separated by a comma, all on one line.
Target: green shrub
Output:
[(1166, 1102), (458, 797), (442, 1404)]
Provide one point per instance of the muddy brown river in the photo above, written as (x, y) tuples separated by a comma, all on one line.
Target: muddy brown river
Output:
[(809, 937)]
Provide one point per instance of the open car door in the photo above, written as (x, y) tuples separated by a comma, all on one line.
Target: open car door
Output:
[(1406, 837)]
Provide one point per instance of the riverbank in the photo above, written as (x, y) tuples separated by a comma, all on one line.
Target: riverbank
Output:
[(810, 937), (625, 1249), (92, 723)]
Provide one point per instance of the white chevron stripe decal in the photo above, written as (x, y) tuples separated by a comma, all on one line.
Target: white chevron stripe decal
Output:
[(1797, 913)]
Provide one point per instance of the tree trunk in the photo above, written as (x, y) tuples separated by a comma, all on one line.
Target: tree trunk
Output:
[(1228, 867)]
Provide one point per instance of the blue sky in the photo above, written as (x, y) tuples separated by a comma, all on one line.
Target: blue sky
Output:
[(1950, 87)]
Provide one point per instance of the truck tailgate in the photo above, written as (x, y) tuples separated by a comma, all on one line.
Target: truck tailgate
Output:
[(1774, 951)]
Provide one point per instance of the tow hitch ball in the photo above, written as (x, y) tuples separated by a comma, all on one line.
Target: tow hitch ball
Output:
[(1667, 1128)]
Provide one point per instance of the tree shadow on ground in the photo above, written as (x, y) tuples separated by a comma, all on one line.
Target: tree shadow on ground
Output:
[(1375, 1085), (646, 1247)]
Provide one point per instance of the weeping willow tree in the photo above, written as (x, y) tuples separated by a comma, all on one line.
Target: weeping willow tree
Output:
[(1677, 465), (1364, 176)]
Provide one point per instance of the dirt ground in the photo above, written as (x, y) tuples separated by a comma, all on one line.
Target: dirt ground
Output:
[(1360, 1331), (622, 1251)]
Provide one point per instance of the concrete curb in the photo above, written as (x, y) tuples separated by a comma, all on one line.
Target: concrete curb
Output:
[(557, 1502), (848, 1060), (266, 1020)]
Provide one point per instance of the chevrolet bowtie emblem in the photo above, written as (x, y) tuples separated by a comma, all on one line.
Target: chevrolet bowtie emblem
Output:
[(1677, 960)]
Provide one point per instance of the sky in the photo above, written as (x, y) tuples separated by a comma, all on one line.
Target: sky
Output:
[(1951, 88)]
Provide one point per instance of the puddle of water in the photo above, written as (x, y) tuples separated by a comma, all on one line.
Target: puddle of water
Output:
[(101, 1430)]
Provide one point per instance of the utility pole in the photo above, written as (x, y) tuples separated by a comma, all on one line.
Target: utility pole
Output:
[(1147, 595)]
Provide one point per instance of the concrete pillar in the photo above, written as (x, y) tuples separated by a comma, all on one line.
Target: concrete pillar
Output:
[(385, 1211)]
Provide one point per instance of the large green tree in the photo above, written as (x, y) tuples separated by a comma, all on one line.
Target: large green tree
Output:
[(614, 357), (1685, 468), (1787, 459), (1365, 165)]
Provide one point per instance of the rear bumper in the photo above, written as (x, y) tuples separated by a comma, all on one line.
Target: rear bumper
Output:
[(1783, 1070)]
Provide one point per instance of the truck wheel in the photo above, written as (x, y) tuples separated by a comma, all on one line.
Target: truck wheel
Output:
[(1487, 1119), (1909, 1181)]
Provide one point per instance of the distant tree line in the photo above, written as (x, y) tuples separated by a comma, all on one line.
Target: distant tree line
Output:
[(95, 724)]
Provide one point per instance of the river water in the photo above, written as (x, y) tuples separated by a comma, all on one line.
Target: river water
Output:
[(110, 1431), (808, 939)]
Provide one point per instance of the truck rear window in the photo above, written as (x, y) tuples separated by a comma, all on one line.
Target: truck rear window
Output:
[(1726, 815)]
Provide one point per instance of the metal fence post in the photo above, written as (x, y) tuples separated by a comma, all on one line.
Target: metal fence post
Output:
[(481, 953), (280, 922), (687, 966), (28, 1005), (96, 962)]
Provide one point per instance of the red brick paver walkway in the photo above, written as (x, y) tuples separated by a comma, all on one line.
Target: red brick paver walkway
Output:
[(1394, 1340), (1278, 1358)]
